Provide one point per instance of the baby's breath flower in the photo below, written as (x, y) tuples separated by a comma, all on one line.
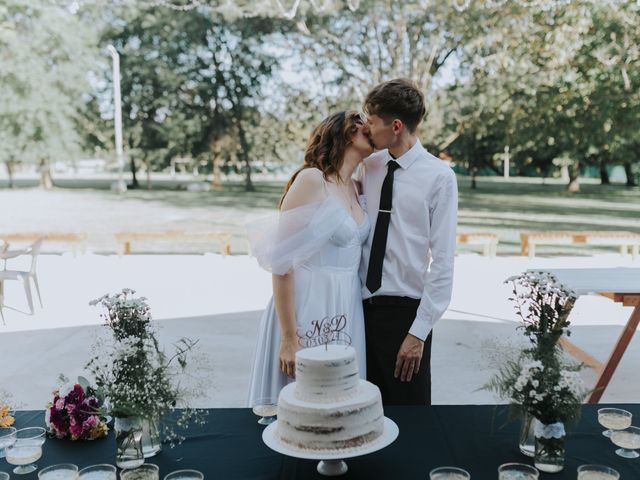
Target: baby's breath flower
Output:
[(136, 376)]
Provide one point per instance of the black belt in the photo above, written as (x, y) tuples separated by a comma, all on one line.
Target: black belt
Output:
[(388, 300)]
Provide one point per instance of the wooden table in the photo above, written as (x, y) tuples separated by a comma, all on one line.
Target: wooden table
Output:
[(622, 285), (621, 239), (127, 238)]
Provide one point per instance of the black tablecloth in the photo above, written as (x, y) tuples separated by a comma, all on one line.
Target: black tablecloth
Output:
[(477, 438)]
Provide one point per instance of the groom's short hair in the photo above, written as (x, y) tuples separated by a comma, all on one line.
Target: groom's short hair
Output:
[(398, 98)]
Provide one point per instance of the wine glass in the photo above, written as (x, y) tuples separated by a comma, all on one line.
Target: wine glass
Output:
[(62, 471), (26, 450), (7, 438), (101, 471), (517, 471), (449, 473), (628, 440), (597, 472), (266, 408), (613, 419), (146, 471), (185, 475)]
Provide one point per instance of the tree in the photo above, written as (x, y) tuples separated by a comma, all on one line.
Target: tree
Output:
[(188, 80), (44, 54)]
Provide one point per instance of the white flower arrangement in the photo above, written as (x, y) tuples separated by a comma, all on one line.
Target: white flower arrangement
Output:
[(539, 379), (133, 373)]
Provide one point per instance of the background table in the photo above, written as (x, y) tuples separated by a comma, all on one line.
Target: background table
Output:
[(622, 285), (476, 438)]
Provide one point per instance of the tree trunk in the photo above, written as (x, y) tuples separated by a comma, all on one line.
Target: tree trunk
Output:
[(134, 179), (474, 172), (147, 165), (244, 144), (216, 182), (9, 165), (46, 181), (628, 170), (604, 174), (574, 172)]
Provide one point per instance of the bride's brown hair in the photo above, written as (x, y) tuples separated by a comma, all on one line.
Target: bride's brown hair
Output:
[(327, 144)]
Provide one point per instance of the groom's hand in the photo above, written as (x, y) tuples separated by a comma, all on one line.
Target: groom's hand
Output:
[(408, 359)]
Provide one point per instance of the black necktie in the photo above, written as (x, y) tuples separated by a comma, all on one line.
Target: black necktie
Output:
[(379, 243)]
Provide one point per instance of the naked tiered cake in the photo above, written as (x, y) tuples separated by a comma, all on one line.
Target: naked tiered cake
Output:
[(329, 406)]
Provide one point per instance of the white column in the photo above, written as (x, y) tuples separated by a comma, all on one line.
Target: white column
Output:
[(506, 162), (118, 116)]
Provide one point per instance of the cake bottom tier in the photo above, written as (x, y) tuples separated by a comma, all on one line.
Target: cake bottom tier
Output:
[(348, 423)]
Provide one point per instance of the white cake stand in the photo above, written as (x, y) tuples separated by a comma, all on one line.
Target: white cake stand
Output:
[(331, 462)]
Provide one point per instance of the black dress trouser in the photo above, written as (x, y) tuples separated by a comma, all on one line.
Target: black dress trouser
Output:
[(387, 324)]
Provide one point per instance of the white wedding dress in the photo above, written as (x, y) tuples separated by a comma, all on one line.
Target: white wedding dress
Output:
[(321, 242)]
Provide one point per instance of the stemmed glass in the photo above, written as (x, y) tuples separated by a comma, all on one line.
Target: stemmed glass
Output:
[(597, 472), (628, 440), (449, 473), (266, 408), (62, 471), (7, 438), (26, 450), (146, 471), (613, 419), (185, 475), (101, 471), (517, 471)]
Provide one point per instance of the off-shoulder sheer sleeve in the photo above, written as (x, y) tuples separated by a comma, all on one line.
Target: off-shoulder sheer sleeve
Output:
[(285, 240)]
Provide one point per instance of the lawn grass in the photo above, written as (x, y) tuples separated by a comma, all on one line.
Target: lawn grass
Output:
[(504, 207)]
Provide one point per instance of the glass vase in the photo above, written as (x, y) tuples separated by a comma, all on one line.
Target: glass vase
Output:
[(151, 444), (128, 432), (527, 442), (549, 453)]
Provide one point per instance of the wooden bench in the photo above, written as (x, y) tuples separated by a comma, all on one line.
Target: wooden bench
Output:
[(623, 240), (488, 241), (77, 240), (221, 238)]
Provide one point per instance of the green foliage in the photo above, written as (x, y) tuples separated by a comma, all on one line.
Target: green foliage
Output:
[(189, 80), (44, 53), (550, 84)]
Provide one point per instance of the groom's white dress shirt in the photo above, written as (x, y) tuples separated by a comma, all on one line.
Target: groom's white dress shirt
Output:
[(421, 242)]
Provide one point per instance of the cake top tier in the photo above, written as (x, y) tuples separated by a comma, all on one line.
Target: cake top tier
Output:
[(326, 373), (323, 353)]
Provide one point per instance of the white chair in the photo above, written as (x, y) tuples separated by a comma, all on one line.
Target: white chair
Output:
[(25, 276)]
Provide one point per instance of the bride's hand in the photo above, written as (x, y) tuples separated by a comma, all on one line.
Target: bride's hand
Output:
[(288, 349)]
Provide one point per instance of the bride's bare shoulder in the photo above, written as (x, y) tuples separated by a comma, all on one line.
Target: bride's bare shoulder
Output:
[(308, 187)]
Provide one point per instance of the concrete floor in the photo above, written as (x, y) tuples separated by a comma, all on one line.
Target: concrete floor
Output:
[(219, 300)]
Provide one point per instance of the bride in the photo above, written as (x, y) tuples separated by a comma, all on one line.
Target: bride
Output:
[(313, 250)]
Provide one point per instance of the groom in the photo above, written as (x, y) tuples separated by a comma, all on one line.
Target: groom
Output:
[(407, 262)]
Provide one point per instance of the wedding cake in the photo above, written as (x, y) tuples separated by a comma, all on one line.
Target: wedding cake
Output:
[(329, 406)]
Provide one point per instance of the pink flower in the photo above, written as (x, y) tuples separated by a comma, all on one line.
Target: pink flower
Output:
[(90, 422), (59, 404), (71, 409), (76, 430)]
